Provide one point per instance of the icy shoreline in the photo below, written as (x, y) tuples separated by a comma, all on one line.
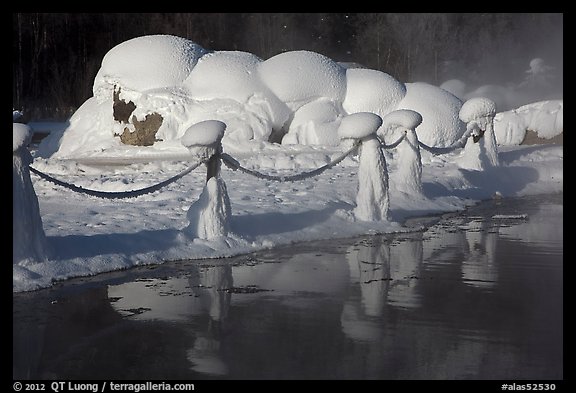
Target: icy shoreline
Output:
[(92, 235)]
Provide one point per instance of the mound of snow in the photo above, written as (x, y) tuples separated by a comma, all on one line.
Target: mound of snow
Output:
[(233, 75), (315, 123), (456, 87), (544, 117), (441, 125), (298, 77), (148, 62), (371, 91), (503, 97)]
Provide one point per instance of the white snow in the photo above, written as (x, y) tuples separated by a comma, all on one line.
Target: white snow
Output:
[(482, 153), (204, 133), (546, 118), (298, 77), (359, 125), (439, 109), (21, 135), (29, 244), (371, 91), (148, 62), (407, 154), (306, 95)]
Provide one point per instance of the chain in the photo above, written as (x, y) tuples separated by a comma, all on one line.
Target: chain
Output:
[(234, 165), (115, 194)]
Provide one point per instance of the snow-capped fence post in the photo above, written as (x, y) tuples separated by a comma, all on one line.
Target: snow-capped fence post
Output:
[(408, 151), (28, 237), (372, 202), (481, 150), (209, 216)]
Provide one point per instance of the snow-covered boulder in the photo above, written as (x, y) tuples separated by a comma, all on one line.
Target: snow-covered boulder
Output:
[(371, 91), (441, 125), (503, 97), (315, 123), (299, 77), (233, 74), (456, 87), (148, 62)]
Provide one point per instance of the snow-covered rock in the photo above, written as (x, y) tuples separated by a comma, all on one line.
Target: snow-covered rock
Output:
[(456, 87), (315, 123), (148, 62), (371, 91), (298, 77), (441, 125)]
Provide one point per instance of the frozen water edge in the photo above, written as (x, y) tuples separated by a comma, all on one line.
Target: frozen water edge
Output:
[(93, 235)]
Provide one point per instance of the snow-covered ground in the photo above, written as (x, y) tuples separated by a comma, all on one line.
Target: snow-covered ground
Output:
[(304, 97), (90, 235)]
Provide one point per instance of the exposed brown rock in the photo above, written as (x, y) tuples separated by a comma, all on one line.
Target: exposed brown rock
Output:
[(532, 138), (120, 108), (145, 131)]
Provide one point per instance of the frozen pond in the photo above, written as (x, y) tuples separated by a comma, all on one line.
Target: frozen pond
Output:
[(478, 295)]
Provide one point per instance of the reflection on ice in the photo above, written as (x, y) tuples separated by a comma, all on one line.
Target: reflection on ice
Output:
[(479, 267), (467, 298)]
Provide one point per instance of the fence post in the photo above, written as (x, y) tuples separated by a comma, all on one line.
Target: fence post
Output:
[(209, 216), (480, 151), (372, 202), (28, 237), (409, 172)]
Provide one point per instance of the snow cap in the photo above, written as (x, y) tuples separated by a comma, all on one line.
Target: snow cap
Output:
[(476, 108), (204, 133), (402, 118), (149, 62), (359, 125), (21, 135)]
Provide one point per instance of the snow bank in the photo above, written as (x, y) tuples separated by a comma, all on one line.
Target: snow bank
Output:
[(148, 62), (545, 118), (371, 91), (441, 125), (298, 77)]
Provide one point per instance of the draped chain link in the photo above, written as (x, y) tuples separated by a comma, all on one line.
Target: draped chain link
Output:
[(116, 194)]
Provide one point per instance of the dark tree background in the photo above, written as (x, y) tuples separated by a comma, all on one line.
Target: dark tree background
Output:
[(57, 55)]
